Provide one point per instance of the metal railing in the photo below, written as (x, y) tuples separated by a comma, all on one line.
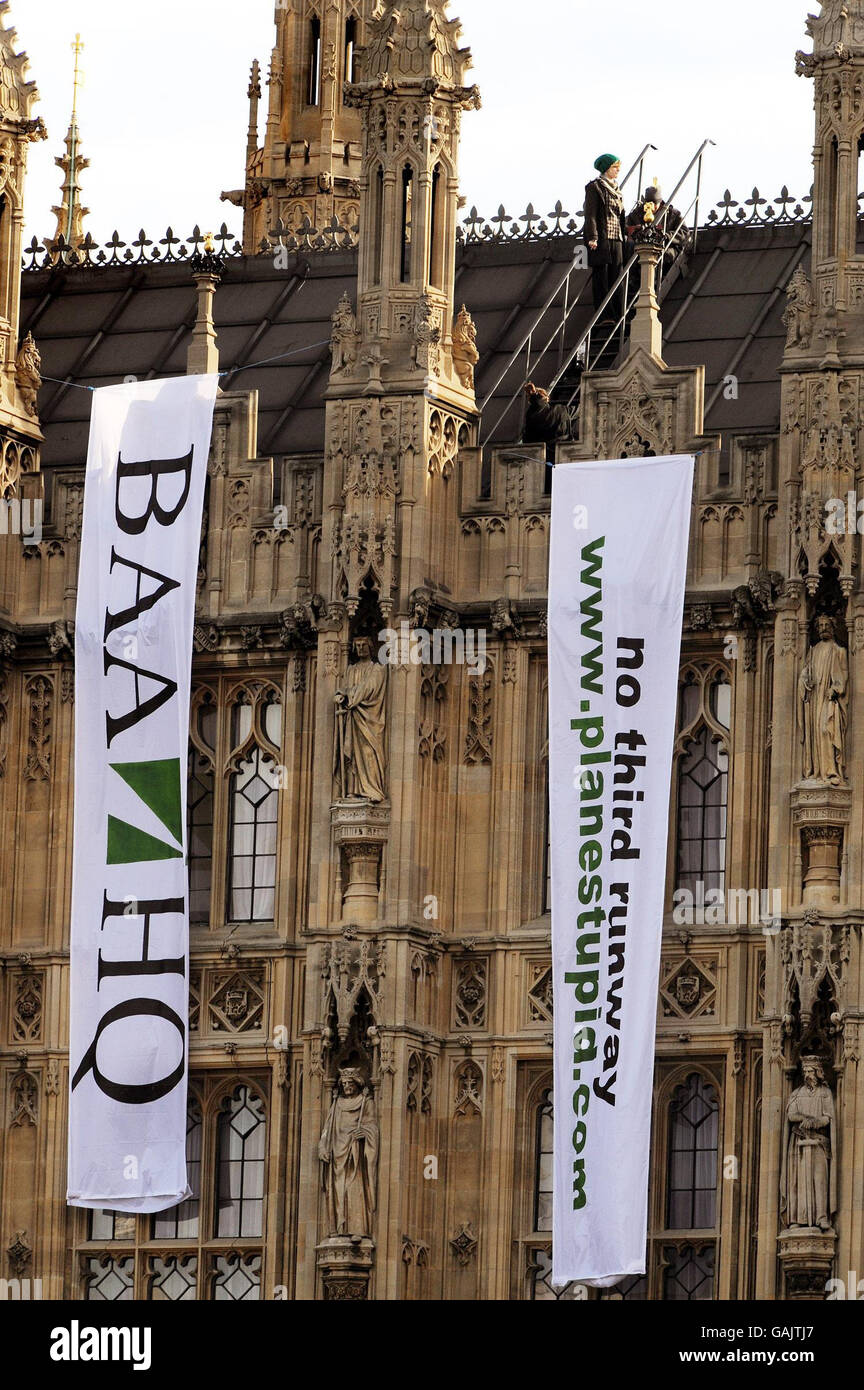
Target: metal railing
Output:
[(586, 348), (622, 286), (578, 263)]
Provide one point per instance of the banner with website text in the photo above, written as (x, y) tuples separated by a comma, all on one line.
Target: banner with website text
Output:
[(143, 502), (616, 595)]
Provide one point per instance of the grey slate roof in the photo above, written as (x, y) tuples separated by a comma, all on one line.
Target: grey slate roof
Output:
[(98, 325)]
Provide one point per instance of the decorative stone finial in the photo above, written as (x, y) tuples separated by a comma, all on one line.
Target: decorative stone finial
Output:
[(202, 358)]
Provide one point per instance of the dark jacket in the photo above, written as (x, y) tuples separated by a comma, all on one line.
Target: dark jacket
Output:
[(599, 200), (546, 423)]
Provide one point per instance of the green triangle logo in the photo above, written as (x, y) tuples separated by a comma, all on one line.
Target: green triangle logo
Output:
[(158, 785), (129, 845)]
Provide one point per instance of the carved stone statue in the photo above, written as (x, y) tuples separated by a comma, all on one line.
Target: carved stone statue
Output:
[(798, 314), (426, 349), (465, 354), (27, 374), (360, 725), (348, 1150), (343, 339), (823, 692), (808, 1173)]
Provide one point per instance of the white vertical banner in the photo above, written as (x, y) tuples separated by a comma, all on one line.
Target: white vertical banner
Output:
[(616, 595), (143, 501)]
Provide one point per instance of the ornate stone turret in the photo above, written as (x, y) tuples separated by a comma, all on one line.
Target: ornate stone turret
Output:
[(813, 1000), (411, 95), (400, 408), (836, 64), (19, 363), (309, 164)]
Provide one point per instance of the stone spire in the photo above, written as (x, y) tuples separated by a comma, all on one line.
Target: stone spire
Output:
[(19, 376), (71, 213), (309, 164)]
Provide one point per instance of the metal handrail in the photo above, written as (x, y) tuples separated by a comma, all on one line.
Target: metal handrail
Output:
[(619, 326), (576, 264)]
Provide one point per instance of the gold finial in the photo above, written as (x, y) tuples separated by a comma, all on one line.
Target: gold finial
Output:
[(77, 48), (209, 243)]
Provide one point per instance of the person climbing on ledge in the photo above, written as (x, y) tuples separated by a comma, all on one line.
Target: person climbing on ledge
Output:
[(605, 233), (545, 423)]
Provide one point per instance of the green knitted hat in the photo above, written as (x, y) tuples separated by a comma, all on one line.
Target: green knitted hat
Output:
[(605, 162)]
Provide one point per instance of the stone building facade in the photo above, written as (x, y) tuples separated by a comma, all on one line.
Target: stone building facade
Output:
[(368, 842)]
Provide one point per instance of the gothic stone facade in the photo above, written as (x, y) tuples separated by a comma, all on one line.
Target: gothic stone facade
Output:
[(368, 845)]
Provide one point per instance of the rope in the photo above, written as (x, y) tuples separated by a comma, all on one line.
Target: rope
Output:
[(229, 371)]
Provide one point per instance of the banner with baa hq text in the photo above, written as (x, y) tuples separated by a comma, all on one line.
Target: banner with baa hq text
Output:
[(143, 502), (616, 595)]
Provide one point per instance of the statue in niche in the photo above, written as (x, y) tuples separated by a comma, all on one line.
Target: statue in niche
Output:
[(808, 1173), (798, 314), (360, 725), (823, 693), (343, 338), (426, 348), (348, 1150), (465, 354), (28, 377)]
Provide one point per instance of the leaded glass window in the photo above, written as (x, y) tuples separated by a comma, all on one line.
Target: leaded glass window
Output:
[(688, 1275), (254, 810), (240, 1164), (199, 803), (237, 1278), (180, 1255), (181, 1222), (703, 780), (543, 1171), (692, 1164)]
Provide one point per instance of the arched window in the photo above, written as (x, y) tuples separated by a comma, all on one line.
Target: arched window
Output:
[(226, 1152), (832, 190), (254, 806), (181, 1222), (377, 224), (703, 779), (199, 803), (536, 1243), (436, 231), (350, 68), (683, 1211), (240, 1162), (691, 1190), (692, 1184), (407, 222), (313, 94), (543, 1164)]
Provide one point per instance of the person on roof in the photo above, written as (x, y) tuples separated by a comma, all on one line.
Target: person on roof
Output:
[(545, 423), (664, 216), (605, 232)]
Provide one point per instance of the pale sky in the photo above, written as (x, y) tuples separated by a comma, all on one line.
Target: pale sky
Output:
[(163, 112)]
